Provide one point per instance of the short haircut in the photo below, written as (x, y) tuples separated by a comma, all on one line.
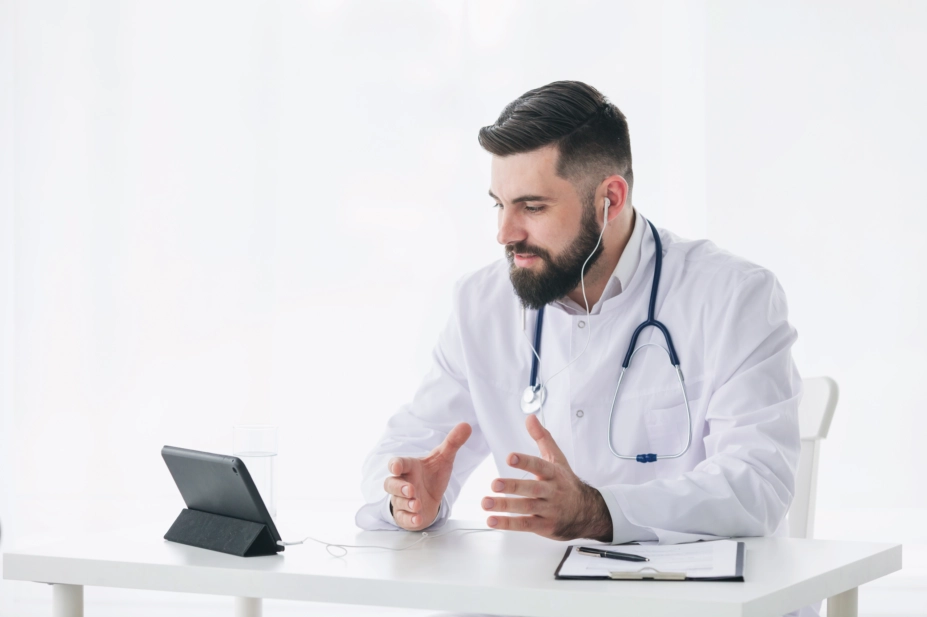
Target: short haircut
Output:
[(590, 133)]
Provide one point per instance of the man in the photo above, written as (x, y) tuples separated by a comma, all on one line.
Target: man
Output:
[(562, 182)]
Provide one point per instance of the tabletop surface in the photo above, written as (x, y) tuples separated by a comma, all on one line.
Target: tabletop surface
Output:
[(487, 571)]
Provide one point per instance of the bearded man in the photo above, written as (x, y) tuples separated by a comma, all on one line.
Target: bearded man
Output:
[(701, 440)]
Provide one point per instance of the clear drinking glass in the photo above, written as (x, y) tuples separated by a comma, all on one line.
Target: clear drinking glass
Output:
[(256, 446)]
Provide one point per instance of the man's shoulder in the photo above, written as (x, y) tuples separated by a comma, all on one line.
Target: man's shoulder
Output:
[(702, 262), (489, 283)]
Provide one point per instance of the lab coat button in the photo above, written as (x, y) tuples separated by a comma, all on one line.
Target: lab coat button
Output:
[(579, 413), (582, 324)]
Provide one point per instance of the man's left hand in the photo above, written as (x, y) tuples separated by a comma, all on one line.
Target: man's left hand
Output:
[(558, 504)]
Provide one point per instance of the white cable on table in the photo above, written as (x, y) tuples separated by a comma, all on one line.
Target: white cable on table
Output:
[(344, 547)]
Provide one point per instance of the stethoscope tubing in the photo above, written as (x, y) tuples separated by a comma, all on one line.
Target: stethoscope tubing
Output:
[(535, 363), (538, 389)]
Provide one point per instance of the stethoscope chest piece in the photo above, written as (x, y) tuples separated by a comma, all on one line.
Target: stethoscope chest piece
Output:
[(533, 398)]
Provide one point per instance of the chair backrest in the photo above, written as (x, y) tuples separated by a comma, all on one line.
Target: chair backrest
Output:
[(815, 413)]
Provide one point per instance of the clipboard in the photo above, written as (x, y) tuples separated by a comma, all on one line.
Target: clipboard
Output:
[(649, 573)]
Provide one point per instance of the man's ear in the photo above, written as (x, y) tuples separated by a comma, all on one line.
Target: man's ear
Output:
[(615, 189)]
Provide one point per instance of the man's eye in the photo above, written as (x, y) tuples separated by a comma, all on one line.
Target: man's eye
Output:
[(533, 209), (497, 205)]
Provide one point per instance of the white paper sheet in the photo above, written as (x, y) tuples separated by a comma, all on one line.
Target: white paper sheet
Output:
[(697, 560)]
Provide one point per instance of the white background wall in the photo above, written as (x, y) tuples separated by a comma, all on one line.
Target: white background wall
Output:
[(816, 157), (213, 213)]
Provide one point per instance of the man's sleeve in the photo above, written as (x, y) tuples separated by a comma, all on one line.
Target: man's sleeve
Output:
[(745, 484), (441, 402)]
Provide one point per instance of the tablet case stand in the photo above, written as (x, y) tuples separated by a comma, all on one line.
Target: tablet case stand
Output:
[(222, 533)]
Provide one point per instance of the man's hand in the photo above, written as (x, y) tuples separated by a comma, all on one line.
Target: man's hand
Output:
[(558, 504), (418, 484)]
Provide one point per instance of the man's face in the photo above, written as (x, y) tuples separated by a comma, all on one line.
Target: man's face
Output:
[(547, 228)]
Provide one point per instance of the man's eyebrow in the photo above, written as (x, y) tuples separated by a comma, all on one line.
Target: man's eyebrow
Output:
[(523, 198)]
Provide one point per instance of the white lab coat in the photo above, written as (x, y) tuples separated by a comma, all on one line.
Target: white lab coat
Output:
[(729, 323), (728, 320)]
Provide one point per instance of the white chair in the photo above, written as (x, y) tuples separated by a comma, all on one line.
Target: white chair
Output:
[(815, 413)]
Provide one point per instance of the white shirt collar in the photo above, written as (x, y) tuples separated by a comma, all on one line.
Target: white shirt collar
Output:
[(631, 255), (621, 277)]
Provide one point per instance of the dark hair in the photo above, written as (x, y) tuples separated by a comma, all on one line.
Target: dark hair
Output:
[(590, 133)]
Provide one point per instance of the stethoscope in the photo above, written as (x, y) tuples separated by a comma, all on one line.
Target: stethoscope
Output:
[(535, 394)]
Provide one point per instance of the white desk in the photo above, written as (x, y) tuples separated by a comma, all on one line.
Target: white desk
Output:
[(494, 572)]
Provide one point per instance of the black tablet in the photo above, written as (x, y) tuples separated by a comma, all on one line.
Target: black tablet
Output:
[(217, 484)]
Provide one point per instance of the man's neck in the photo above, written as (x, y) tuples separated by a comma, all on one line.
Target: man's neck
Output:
[(616, 238)]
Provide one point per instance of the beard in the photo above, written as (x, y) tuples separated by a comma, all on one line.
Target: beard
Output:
[(558, 275)]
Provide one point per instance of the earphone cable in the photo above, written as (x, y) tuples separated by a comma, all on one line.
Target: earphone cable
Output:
[(329, 546), (582, 279)]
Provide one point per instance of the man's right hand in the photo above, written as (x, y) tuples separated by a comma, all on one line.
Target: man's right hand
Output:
[(418, 484)]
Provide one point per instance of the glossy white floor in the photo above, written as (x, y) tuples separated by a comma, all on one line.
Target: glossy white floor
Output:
[(40, 520)]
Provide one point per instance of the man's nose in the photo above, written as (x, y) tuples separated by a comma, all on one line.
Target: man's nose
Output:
[(510, 228)]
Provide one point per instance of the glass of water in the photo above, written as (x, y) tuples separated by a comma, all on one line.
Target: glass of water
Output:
[(256, 446)]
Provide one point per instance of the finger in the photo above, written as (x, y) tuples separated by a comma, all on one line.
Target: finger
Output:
[(518, 505), (525, 488), (399, 465), (456, 438), (546, 443), (537, 466), (408, 520), (518, 523), (399, 487), (409, 505)]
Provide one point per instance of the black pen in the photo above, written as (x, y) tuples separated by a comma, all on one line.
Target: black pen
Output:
[(611, 554)]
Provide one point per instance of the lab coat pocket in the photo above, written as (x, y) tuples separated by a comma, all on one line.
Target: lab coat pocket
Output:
[(667, 428)]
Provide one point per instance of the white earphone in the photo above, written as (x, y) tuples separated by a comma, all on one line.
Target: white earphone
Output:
[(534, 395)]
